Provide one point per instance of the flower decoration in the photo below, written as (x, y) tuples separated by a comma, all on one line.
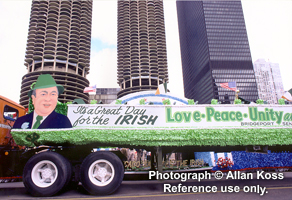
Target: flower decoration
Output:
[(25, 125), (224, 162)]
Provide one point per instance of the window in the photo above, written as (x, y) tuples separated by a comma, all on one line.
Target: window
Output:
[(10, 113)]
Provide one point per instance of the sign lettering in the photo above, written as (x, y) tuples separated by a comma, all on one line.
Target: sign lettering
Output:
[(169, 117)]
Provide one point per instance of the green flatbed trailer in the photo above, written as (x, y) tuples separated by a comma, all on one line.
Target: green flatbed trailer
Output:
[(54, 158)]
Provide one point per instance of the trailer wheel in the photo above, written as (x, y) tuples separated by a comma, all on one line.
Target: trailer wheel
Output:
[(101, 173), (45, 174)]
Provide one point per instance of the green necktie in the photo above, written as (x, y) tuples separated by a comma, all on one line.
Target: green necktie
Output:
[(38, 122)]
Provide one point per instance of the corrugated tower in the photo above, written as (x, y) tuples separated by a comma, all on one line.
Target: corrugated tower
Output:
[(142, 60), (58, 43)]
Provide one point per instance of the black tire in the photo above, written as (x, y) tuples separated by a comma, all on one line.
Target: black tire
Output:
[(101, 173), (47, 173)]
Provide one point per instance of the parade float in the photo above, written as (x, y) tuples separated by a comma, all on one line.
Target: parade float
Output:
[(52, 159)]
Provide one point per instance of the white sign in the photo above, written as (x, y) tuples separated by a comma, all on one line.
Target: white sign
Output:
[(188, 116)]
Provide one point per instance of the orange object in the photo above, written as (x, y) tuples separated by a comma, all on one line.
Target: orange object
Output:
[(9, 112)]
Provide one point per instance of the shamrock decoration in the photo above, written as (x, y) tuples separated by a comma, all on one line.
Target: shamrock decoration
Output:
[(118, 101), (93, 101), (281, 101), (166, 101), (237, 101), (260, 101), (214, 101), (191, 102), (32, 138), (142, 101)]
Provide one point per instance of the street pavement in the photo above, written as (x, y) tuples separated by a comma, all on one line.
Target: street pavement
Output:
[(240, 189)]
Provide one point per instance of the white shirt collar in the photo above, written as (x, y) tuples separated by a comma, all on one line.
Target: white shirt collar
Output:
[(34, 118)]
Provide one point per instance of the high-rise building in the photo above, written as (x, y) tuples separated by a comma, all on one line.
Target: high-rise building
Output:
[(215, 49), (142, 61), (105, 95), (269, 80), (59, 39)]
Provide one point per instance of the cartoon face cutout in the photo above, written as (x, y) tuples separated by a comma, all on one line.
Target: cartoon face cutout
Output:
[(45, 100)]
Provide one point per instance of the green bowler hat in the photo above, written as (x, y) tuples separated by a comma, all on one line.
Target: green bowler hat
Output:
[(46, 81)]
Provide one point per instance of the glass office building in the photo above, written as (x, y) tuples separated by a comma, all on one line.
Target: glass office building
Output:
[(214, 50)]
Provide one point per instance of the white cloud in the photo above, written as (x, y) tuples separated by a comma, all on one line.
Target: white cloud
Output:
[(269, 30), (173, 49), (104, 21), (13, 35), (103, 69)]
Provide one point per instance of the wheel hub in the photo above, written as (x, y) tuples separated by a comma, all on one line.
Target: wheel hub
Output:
[(102, 172), (46, 173)]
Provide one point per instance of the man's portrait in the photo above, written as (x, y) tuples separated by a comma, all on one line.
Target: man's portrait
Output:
[(44, 95)]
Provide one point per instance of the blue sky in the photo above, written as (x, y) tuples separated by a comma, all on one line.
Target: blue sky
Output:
[(268, 22), (98, 45)]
